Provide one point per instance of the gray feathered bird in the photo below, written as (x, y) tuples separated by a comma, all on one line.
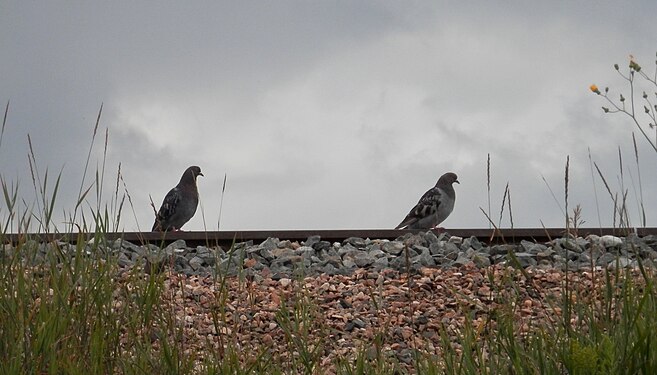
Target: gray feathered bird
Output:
[(434, 206), (180, 203)]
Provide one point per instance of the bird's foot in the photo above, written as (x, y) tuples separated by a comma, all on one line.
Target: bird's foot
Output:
[(438, 229)]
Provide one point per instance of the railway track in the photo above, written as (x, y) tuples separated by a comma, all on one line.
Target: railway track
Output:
[(226, 238)]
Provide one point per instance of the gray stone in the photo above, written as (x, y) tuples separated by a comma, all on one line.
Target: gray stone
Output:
[(305, 251), (437, 248), (571, 255), (609, 241), (380, 263), (286, 244), (124, 261), (347, 249), (546, 254), (502, 249), (430, 237), (280, 252), (151, 248), (202, 251), (267, 254), (648, 253), (360, 258), (524, 259), (196, 262), (311, 241), (481, 260), (356, 242), (279, 272), (175, 245), (453, 255), (419, 249), (270, 243), (632, 238), (354, 323), (349, 263), (322, 246), (410, 240), (461, 260), (180, 262), (129, 246), (334, 260), (544, 264), (399, 264), (469, 253), (425, 259), (410, 252), (568, 244), (595, 251), (531, 247), (442, 261), (472, 242), (456, 240), (651, 241), (393, 247), (288, 261), (584, 258), (210, 261), (377, 253), (331, 270), (450, 248)]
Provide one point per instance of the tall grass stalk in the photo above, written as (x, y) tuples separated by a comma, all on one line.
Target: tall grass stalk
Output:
[(221, 202), (4, 122), (641, 207), (82, 193), (488, 185), (595, 190)]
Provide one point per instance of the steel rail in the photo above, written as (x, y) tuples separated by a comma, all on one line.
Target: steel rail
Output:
[(227, 238)]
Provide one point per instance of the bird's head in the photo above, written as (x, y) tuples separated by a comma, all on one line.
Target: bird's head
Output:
[(196, 171), (448, 179), (190, 174)]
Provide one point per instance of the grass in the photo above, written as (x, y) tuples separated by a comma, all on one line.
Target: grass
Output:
[(71, 309), (79, 313)]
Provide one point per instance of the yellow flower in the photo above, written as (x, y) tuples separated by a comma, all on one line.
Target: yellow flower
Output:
[(594, 88)]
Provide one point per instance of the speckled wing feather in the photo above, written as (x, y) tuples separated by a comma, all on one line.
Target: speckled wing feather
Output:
[(167, 210), (425, 207)]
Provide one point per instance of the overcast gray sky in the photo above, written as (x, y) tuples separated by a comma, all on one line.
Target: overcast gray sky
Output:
[(327, 114)]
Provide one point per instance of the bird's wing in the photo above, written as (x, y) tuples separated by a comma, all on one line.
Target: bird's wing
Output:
[(426, 206), (168, 208)]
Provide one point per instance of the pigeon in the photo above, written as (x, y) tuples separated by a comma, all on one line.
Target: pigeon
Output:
[(434, 206), (180, 203)]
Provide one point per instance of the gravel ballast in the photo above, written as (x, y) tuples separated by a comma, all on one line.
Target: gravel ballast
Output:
[(276, 259)]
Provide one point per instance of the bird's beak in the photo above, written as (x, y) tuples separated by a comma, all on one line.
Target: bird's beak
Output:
[(457, 181), (200, 174)]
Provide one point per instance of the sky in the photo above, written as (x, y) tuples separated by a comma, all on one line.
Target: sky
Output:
[(326, 114)]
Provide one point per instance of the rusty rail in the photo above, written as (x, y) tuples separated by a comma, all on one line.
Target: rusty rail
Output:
[(226, 238)]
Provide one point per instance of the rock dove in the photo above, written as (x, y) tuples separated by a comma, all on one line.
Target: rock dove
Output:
[(180, 203), (434, 206)]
